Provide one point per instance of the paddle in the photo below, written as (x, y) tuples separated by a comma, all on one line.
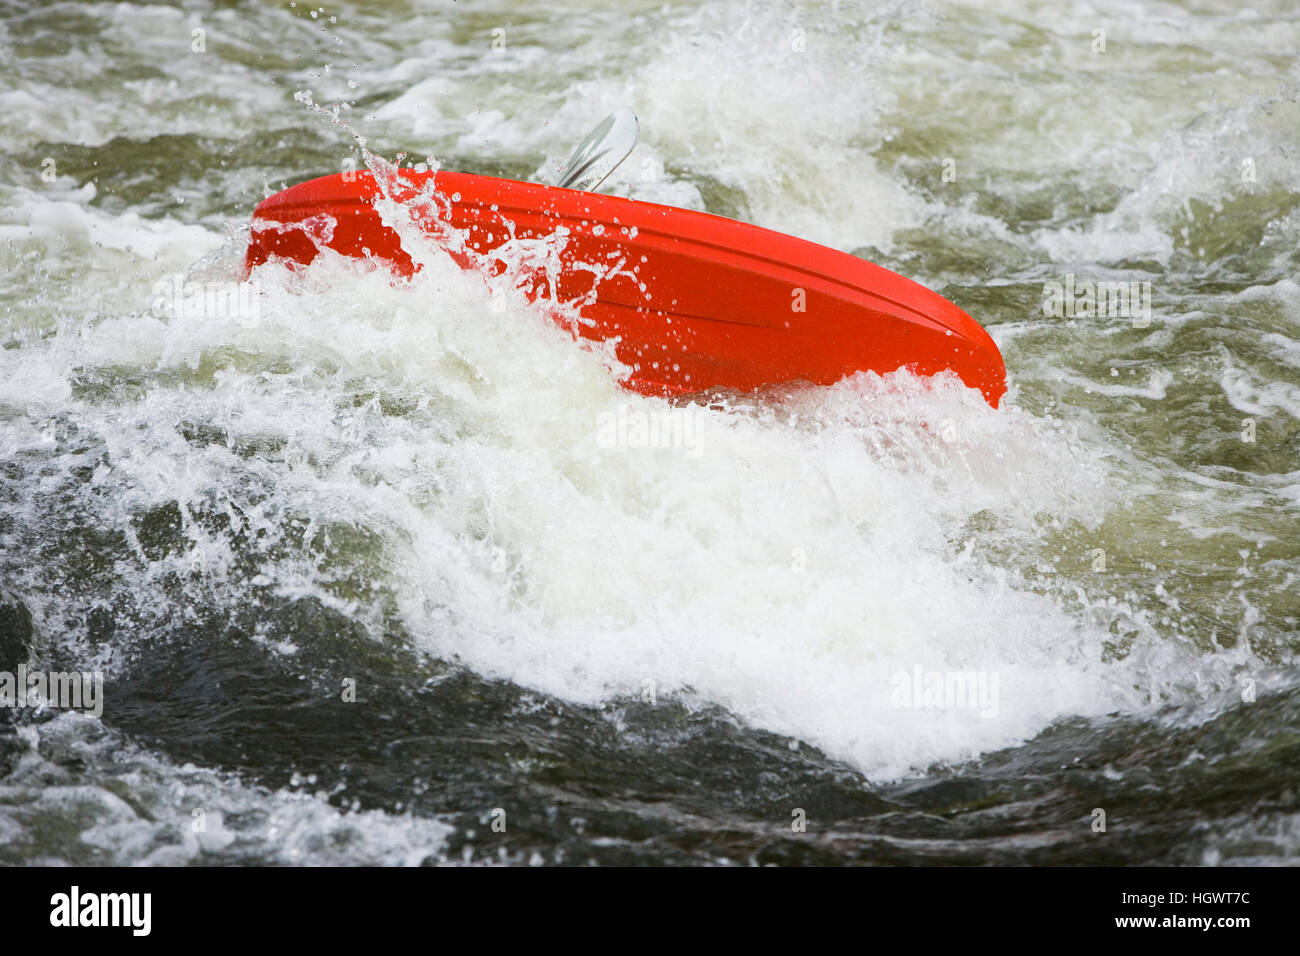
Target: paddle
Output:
[(600, 152)]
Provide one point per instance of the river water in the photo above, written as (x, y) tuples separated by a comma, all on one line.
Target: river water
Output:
[(368, 581)]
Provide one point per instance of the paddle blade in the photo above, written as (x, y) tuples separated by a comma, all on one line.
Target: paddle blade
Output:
[(600, 152)]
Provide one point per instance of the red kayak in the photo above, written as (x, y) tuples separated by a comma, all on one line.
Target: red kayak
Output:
[(693, 301)]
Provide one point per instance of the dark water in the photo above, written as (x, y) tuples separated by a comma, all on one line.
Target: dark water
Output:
[(393, 494)]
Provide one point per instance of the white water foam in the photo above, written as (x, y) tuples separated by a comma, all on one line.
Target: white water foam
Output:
[(812, 549), (183, 815), (788, 565)]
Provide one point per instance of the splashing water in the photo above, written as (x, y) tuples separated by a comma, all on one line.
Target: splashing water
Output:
[(561, 597)]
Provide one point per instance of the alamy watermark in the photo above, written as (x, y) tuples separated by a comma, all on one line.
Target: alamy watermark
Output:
[(946, 690), (1083, 298), (667, 427), (176, 298), (65, 690), (130, 910)]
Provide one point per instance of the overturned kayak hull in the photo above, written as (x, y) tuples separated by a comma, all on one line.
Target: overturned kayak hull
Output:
[(691, 301)]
